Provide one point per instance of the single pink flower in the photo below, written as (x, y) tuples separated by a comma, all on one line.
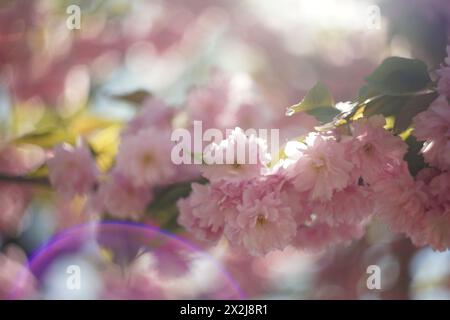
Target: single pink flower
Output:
[(154, 113), (144, 158), (436, 227), (433, 127), (319, 167), (433, 123), (207, 103), (351, 205), (201, 212), (72, 170), (122, 199), (372, 148), (171, 262), (235, 158), (262, 224), (400, 201)]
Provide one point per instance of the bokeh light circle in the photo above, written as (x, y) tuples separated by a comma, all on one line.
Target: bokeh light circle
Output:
[(123, 260)]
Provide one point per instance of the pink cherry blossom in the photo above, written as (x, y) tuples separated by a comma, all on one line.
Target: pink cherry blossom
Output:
[(427, 174), (319, 167), (436, 227), (69, 213), (444, 76), (170, 261), (123, 199), (13, 202), (351, 205), (154, 113), (16, 281), (72, 170), (433, 227), (201, 214), (207, 103), (433, 127), (373, 148), (237, 157), (19, 160), (263, 222), (433, 123), (400, 201), (144, 158)]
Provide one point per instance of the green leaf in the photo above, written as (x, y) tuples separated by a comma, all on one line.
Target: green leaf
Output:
[(324, 114), (411, 108), (318, 97), (397, 76), (386, 106)]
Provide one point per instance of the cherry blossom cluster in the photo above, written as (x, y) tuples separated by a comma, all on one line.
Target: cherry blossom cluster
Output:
[(320, 194), (143, 162), (324, 189), (328, 187)]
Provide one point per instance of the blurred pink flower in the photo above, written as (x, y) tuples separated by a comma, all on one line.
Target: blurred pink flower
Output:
[(19, 160), (236, 158), (135, 282), (13, 202), (436, 224), (439, 187), (123, 199), (444, 76), (400, 201), (436, 227), (319, 167), (154, 113), (170, 262), (319, 236), (72, 170), (207, 103), (16, 281), (71, 212), (444, 81), (144, 158), (433, 127)]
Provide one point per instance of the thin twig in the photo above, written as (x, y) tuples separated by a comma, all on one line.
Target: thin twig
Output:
[(21, 179)]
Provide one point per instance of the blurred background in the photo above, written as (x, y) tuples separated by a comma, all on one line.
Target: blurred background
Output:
[(59, 80)]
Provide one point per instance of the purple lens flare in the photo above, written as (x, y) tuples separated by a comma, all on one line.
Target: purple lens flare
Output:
[(125, 260)]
